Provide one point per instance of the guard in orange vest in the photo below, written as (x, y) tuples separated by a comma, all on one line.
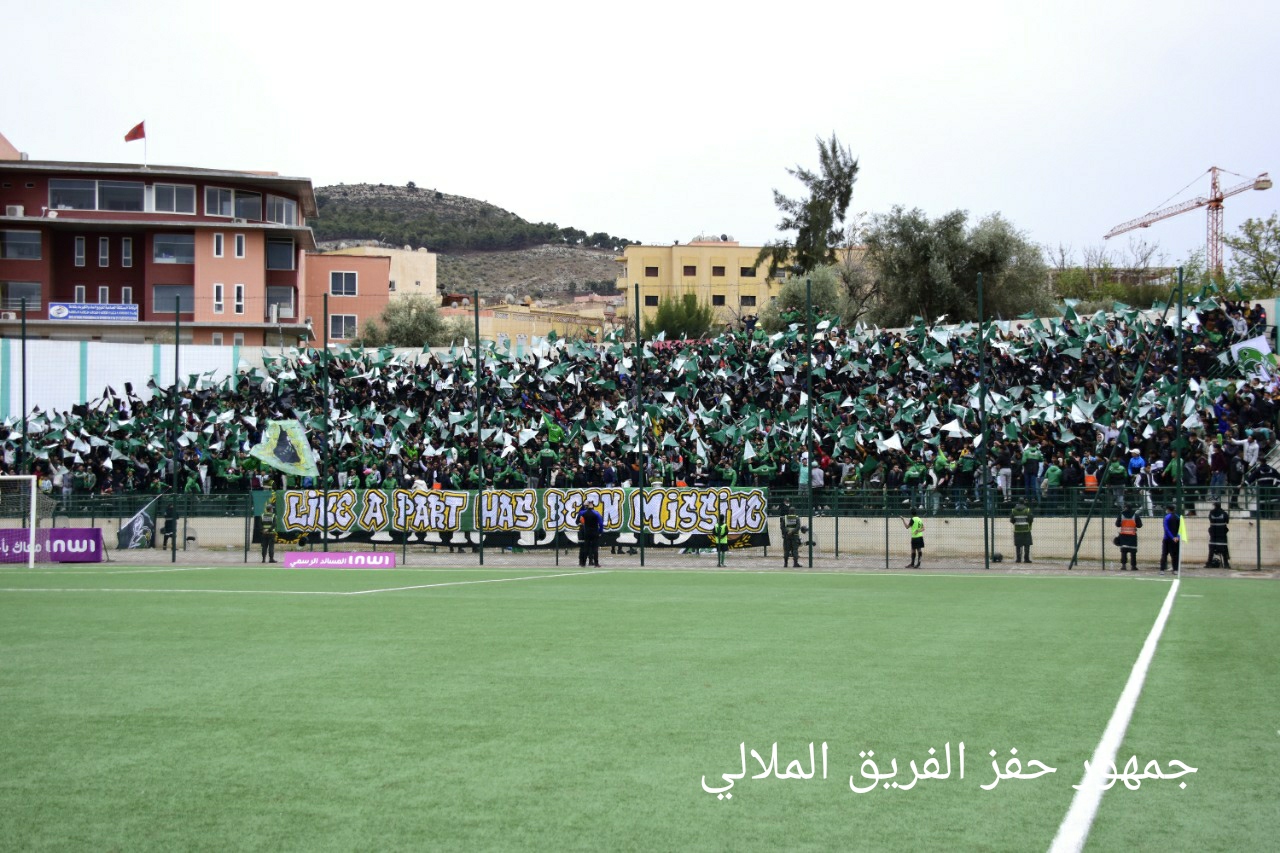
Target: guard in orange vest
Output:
[(1128, 521)]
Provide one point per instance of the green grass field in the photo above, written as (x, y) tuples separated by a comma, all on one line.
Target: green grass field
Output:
[(241, 709)]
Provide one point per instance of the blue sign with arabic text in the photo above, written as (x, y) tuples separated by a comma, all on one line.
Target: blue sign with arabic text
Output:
[(93, 312)]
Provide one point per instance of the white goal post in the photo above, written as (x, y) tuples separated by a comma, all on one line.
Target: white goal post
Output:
[(19, 501)]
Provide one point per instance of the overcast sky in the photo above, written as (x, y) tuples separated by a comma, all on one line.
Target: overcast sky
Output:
[(658, 121)]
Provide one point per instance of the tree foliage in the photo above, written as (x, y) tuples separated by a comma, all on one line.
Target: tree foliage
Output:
[(684, 317), (817, 220), (929, 268), (830, 300), (1255, 253), (407, 321)]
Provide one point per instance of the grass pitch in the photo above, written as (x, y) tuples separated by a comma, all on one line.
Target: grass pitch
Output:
[(238, 708)]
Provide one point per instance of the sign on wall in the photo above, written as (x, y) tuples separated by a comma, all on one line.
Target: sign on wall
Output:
[(94, 312)]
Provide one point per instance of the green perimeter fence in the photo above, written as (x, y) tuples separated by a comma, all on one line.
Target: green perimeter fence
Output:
[(864, 527)]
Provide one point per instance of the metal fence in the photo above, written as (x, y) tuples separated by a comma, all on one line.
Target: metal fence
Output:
[(855, 528)]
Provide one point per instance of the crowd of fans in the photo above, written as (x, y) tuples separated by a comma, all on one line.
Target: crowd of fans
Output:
[(1078, 403)]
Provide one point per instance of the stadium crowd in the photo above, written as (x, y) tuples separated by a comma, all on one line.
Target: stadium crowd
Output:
[(1070, 406)]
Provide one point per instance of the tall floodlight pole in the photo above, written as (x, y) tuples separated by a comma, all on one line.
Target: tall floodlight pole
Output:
[(808, 393), (478, 514), (982, 420), (640, 451)]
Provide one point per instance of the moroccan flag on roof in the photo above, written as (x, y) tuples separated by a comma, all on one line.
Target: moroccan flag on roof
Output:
[(139, 131)]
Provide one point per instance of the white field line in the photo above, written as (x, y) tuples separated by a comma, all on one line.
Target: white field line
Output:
[(127, 589), (487, 580), (296, 591), (108, 571), (1075, 827)]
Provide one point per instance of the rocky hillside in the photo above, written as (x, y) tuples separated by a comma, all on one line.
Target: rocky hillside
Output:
[(480, 245), (541, 272)]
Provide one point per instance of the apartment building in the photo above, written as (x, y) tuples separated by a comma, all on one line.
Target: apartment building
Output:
[(118, 252)]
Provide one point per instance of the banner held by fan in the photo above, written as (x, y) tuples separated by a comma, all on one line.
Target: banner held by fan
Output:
[(284, 446)]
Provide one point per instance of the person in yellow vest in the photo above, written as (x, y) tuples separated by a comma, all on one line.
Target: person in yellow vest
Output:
[(720, 536), (915, 527), (269, 531)]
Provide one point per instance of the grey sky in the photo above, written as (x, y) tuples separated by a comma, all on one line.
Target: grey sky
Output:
[(661, 120)]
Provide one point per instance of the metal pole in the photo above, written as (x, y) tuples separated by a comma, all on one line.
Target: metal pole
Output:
[(982, 421), (1177, 429), (324, 447), (808, 391), (640, 436), (22, 458), (478, 516), (173, 439)]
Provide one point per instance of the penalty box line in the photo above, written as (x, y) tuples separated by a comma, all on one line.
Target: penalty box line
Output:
[(1075, 827)]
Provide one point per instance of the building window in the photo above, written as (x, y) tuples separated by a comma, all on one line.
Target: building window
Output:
[(217, 298), (717, 272), (747, 301), (280, 298), (279, 254), (391, 286), (217, 244), (126, 252), (174, 249), (121, 195), (13, 292), (717, 299), (73, 195), (651, 301), (126, 295), (239, 245), (342, 326), (79, 294), (282, 210), (248, 205), (747, 272), (237, 339), (80, 251), (216, 339), (104, 294), (342, 284), (690, 270), (650, 272), (239, 298), (217, 201), (175, 198), (20, 245), (104, 251), (167, 298)]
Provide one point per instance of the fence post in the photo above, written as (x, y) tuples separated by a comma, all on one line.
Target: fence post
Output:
[(248, 526), (1257, 532), (885, 510), (836, 517)]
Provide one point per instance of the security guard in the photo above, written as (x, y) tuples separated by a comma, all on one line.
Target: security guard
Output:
[(790, 534), (1128, 521), (269, 531)]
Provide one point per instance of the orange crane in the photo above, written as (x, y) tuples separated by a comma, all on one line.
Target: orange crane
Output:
[(1213, 243)]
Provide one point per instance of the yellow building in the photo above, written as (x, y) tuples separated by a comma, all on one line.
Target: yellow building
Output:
[(411, 271), (520, 324), (720, 272)]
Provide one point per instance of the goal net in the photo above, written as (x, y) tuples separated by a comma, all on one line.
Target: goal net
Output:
[(23, 512)]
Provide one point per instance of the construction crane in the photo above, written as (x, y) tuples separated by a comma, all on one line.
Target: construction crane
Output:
[(1213, 243)]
